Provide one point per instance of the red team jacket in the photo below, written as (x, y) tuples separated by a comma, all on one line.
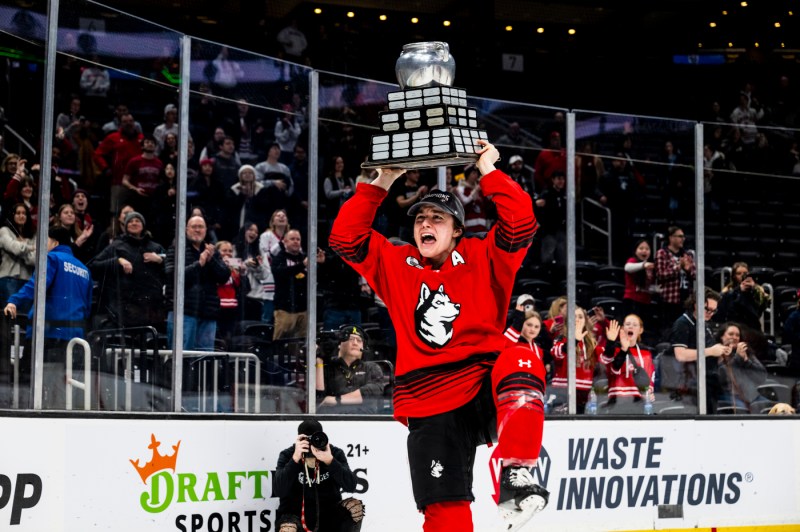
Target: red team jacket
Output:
[(583, 374), (620, 381), (449, 322)]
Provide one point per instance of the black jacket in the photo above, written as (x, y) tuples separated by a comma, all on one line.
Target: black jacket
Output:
[(200, 282), (136, 298), (289, 484), (291, 282)]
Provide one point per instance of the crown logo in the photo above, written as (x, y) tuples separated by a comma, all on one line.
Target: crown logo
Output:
[(158, 462)]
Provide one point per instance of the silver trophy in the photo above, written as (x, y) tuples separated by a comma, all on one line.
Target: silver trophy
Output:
[(428, 123)]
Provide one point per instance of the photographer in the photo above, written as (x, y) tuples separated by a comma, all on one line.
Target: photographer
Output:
[(743, 301), (740, 373), (347, 384), (309, 479)]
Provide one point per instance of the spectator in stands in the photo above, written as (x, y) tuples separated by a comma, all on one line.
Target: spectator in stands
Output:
[(683, 350), (246, 200), (8, 169), (65, 218), (791, 336), (554, 323), (203, 271), (740, 373), (290, 268), (623, 360), (525, 328), (169, 153), (735, 150), (337, 187), (17, 251), (229, 292), (270, 241), (277, 180), (743, 301), (80, 204), (551, 211), (287, 132), (588, 354), (550, 161), (675, 273), (299, 172), (640, 280), (248, 132), (130, 273), (214, 145), (227, 163), (208, 193), (256, 272), (468, 191), (68, 302), (170, 125), (115, 229), (165, 205), (19, 188), (17, 259), (521, 175), (348, 384), (269, 244), (746, 115), (112, 156), (114, 124), (65, 120), (211, 235), (142, 176)]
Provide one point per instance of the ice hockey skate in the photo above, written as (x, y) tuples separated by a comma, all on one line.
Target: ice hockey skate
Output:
[(520, 498)]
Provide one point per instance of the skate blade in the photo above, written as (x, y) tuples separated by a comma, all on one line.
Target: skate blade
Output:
[(514, 518)]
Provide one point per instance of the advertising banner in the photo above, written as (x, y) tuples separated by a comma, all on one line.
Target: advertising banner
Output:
[(143, 475)]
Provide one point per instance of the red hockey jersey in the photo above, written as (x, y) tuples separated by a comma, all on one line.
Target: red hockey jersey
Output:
[(449, 322)]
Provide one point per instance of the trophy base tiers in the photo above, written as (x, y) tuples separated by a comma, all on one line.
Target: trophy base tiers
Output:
[(424, 161)]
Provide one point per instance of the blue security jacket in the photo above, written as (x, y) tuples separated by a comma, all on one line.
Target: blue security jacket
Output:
[(69, 295)]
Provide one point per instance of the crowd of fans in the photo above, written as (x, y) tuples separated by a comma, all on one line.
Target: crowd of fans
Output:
[(114, 189)]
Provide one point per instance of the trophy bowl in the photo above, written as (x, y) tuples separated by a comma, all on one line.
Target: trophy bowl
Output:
[(425, 64)]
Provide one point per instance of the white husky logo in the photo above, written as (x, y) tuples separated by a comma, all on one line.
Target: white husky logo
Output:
[(434, 316), (436, 468)]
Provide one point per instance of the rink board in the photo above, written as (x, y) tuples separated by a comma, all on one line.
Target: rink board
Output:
[(75, 475)]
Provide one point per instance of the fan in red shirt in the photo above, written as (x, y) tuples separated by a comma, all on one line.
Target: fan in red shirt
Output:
[(447, 298), (625, 360)]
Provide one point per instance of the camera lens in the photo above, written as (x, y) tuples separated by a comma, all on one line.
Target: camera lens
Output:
[(319, 440)]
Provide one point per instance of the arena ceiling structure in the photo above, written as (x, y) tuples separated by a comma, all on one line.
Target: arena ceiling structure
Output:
[(641, 57), (574, 53)]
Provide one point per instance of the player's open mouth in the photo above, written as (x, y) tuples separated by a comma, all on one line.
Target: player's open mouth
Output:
[(427, 238)]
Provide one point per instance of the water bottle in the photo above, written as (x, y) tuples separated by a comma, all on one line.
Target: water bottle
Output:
[(591, 404), (648, 404)]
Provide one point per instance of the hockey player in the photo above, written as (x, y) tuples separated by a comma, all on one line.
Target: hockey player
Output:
[(455, 380)]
